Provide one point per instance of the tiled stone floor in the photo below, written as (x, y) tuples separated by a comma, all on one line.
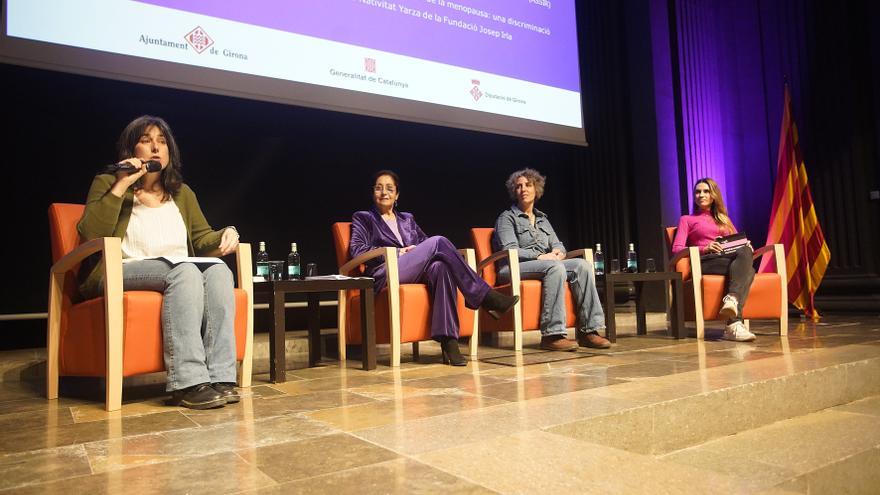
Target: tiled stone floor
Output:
[(799, 414)]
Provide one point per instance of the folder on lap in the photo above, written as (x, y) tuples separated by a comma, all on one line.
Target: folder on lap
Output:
[(729, 244)]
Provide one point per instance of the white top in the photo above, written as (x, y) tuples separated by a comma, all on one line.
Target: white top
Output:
[(154, 232)]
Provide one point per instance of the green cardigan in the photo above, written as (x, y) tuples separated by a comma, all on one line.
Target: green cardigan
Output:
[(106, 215)]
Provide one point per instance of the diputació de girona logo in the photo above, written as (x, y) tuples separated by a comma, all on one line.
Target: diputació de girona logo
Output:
[(475, 91), (199, 39)]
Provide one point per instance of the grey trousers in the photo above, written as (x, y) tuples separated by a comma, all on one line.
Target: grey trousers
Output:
[(740, 271)]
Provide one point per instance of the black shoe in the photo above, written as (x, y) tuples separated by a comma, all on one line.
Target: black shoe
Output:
[(227, 390), (200, 396), (451, 354), (496, 303)]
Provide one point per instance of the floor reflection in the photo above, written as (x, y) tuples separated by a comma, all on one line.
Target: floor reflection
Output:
[(650, 401)]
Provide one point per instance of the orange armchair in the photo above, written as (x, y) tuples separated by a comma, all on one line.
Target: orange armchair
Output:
[(526, 316), (768, 297), (118, 334), (402, 311)]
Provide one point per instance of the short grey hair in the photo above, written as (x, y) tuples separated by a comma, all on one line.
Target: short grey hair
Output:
[(532, 176)]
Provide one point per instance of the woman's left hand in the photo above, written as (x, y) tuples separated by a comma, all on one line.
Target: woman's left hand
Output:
[(405, 250), (228, 241)]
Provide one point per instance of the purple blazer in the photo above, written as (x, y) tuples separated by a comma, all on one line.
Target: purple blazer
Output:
[(369, 231)]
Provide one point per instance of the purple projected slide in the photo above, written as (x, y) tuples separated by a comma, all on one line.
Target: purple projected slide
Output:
[(530, 40)]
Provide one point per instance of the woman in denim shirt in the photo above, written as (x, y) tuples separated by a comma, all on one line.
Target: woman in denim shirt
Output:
[(542, 256)]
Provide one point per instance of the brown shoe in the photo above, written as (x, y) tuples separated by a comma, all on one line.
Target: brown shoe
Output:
[(593, 340), (558, 343)]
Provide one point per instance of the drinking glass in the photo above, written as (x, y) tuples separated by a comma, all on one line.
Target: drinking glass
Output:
[(311, 270), (276, 270), (615, 265)]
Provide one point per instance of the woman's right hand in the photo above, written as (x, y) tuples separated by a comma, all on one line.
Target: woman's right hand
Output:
[(124, 180), (712, 247)]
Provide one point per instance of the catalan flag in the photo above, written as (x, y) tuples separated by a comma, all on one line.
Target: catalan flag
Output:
[(793, 221)]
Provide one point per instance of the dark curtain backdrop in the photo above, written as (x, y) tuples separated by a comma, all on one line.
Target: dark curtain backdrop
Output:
[(279, 173), (282, 173)]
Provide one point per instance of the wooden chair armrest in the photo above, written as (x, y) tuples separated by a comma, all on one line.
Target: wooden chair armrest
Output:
[(243, 267), (778, 251), (470, 257), (762, 250), (349, 267), (245, 277), (577, 253), (684, 253), (585, 253), (81, 252), (497, 255)]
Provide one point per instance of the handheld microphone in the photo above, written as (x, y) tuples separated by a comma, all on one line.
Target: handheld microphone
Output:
[(152, 166)]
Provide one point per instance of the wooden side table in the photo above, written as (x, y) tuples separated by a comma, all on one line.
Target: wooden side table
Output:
[(278, 291), (675, 311)]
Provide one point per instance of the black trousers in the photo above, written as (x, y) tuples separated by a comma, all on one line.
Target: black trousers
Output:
[(740, 272)]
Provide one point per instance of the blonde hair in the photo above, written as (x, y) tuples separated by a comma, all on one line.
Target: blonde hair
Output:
[(532, 176), (718, 210)]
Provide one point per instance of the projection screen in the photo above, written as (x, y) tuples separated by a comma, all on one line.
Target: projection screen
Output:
[(507, 67)]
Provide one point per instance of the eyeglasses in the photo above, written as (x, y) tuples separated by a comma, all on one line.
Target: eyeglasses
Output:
[(379, 189)]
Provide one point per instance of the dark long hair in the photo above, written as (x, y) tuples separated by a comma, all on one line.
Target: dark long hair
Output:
[(171, 176)]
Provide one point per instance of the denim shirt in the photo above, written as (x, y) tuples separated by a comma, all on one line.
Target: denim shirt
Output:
[(513, 230)]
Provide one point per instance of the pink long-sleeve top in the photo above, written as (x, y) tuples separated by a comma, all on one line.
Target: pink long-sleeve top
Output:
[(697, 230)]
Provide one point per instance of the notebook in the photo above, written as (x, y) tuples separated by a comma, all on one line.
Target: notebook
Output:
[(732, 242), (729, 244)]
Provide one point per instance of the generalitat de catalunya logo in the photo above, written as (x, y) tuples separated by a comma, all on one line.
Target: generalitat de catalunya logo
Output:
[(475, 91), (199, 39)]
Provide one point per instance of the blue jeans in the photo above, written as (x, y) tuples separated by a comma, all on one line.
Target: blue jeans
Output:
[(198, 314), (554, 274)]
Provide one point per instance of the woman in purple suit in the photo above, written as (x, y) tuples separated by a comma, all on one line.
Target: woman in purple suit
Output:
[(421, 259)]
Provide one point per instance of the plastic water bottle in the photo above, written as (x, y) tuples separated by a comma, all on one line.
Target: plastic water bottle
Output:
[(294, 271), (262, 261), (632, 261), (599, 261)]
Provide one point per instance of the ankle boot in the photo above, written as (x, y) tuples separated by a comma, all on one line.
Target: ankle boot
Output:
[(451, 354), (200, 396), (496, 303)]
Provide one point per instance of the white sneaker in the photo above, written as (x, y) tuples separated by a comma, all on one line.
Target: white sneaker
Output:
[(738, 332), (729, 308)]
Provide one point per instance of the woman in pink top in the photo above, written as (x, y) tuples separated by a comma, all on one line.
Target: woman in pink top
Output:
[(708, 221)]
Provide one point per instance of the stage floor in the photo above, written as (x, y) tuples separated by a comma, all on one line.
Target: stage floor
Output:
[(798, 414)]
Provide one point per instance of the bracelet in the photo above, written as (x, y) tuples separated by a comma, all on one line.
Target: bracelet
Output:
[(233, 229)]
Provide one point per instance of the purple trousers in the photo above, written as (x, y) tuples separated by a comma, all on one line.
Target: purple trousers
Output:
[(438, 264)]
